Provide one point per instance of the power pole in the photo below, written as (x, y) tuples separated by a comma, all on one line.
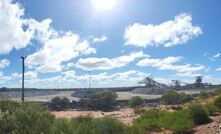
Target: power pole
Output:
[(23, 79)]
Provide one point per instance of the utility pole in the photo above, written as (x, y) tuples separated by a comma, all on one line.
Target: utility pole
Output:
[(23, 78)]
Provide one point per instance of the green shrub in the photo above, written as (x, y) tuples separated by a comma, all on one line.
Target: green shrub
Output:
[(154, 120), (83, 125), (177, 122), (139, 110), (60, 103), (217, 102), (63, 126), (27, 119), (198, 114), (204, 94), (172, 97), (100, 100), (89, 125), (185, 98), (211, 108), (135, 101), (8, 106), (218, 91), (147, 122), (108, 125)]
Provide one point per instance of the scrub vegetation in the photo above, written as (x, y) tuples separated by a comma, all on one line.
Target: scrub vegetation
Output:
[(26, 118)]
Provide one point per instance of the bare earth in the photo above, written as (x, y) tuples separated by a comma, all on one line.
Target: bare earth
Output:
[(126, 115), (211, 128)]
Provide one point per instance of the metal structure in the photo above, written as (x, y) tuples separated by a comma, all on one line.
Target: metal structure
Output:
[(149, 82), (197, 84), (23, 79), (176, 83), (199, 81)]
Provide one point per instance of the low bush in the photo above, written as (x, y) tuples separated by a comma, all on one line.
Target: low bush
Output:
[(27, 119), (177, 122), (8, 106), (109, 125), (63, 126), (149, 121), (204, 94), (104, 125), (199, 114), (154, 120), (218, 91), (59, 103), (172, 97), (135, 101), (210, 108), (217, 102), (102, 100), (83, 125), (139, 110)]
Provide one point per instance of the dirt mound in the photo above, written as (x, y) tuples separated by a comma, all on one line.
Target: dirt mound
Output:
[(150, 90)]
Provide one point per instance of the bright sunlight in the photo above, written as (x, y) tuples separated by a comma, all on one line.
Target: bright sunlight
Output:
[(104, 4)]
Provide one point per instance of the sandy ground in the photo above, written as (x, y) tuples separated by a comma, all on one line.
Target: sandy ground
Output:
[(210, 128), (125, 115)]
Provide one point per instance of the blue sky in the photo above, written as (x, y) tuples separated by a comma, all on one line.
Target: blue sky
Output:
[(118, 44)]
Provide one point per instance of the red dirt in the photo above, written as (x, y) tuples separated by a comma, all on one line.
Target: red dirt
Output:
[(125, 115), (210, 128)]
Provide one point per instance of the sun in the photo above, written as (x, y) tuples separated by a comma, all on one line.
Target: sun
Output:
[(104, 4)]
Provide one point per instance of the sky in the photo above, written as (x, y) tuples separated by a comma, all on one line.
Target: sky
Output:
[(115, 42)]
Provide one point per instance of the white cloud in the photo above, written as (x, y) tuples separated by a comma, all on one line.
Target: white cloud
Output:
[(28, 75), (218, 69), (4, 63), (214, 57), (55, 51), (99, 39), (31, 75), (68, 66), (16, 30), (212, 79), (169, 33), (217, 55), (3, 78), (70, 79), (107, 63), (169, 63), (127, 78)]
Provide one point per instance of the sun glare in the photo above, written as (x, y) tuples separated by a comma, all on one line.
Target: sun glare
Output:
[(104, 4)]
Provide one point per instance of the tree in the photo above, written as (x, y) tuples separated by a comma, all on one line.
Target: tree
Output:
[(135, 101), (60, 103), (172, 97), (198, 114), (100, 100)]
